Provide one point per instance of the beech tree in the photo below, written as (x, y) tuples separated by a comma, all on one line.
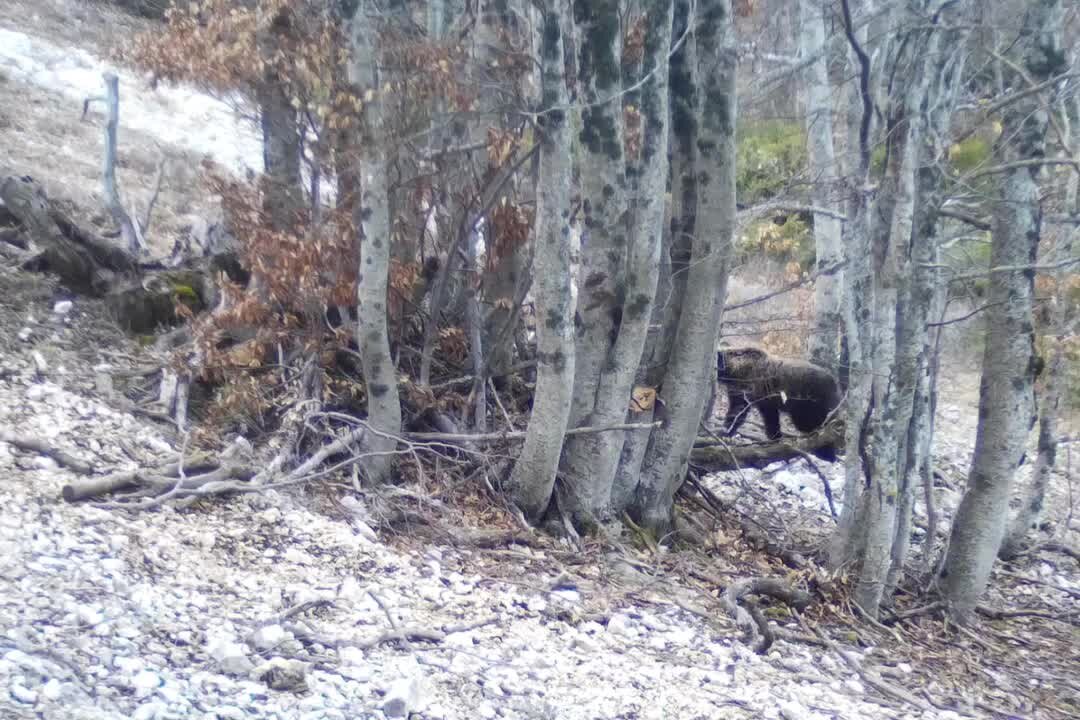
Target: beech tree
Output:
[(889, 305), (1006, 401), (373, 221), (824, 170), (692, 363), (623, 206), (533, 476), (1061, 322)]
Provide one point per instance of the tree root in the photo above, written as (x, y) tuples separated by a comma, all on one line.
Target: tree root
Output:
[(749, 617)]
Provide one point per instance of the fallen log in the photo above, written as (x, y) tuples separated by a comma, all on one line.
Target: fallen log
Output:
[(141, 297), (83, 265), (717, 456)]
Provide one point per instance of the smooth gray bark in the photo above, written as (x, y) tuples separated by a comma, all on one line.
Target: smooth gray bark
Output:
[(858, 292), (373, 220), (1050, 401), (924, 76), (592, 460), (1006, 400), (692, 363), (679, 222), (588, 463), (533, 476), (821, 156), (926, 288)]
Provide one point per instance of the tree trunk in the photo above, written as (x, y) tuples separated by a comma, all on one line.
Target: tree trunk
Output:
[(533, 475), (283, 188), (902, 294), (373, 220), (1006, 403), (858, 296), (926, 288), (591, 461), (587, 474), (691, 367), (1030, 513), (828, 242), (678, 229)]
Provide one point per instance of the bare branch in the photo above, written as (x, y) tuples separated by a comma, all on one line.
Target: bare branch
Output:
[(1028, 163), (37, 446), (753, 213), (790, 286)]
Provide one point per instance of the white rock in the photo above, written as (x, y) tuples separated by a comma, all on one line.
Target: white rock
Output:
[(89, 615), (35, 392), (268, 636), (229, 712), (24, 695), (145, 683), (52, 689), (855, 686), (231, 657), (791, 710), (486, 710), (570, 596), (25, 334), (40, 366), (620, 624), (350, 655), (62, 308), (405, 696)]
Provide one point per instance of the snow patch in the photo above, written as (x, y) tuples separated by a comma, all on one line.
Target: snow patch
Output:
[(182, 115)]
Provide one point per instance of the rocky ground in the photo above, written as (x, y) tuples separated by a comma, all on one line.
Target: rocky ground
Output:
[(287, 604), (299, 604), (270, 606)]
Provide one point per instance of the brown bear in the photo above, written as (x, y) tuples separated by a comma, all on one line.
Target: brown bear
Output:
[(808, 393)]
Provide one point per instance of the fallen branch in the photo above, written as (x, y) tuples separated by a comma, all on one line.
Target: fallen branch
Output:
[(1043, 583), (39, 447), (405, 635), (199, 470), (724, 457), (520, 435), (995, 614), (1060, 548)]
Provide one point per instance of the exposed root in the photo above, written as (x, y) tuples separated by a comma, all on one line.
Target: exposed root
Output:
[(748, 617)]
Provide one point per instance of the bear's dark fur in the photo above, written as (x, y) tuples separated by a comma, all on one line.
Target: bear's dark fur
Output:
[(808, 393)]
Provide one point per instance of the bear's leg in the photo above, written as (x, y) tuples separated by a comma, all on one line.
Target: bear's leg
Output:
[(738, 409), (770, 413)]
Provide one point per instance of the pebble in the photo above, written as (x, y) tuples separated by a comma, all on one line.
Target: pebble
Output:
[(163, 612), (403, 697), (24, 695)]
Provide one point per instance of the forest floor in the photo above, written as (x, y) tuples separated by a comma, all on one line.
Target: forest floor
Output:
[(284, 604)]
